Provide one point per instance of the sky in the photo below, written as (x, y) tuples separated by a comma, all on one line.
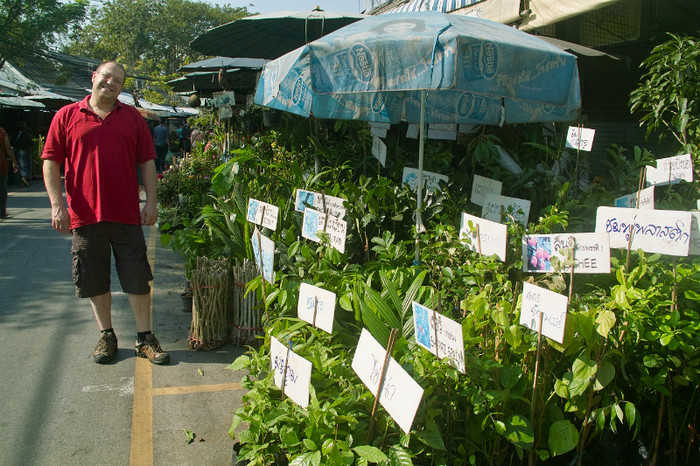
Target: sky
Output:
[(269, 6)]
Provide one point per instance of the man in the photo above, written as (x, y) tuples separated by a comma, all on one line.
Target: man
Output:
[(161, 135), (101, 142)]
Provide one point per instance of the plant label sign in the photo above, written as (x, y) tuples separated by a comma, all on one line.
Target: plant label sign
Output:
[(400, 394), (319, 201), (493, 236), (316, 306), (695, 234), (428, 325), (494, 204), (294, 370), (482, 187), (444, 131), (262, 245), (379, 129), (580, 138), (671, 170), (660, 231), (430, 180), (262, 213), (551, 305), (646, 199), (592, 252), (379, 150), (335, 228)]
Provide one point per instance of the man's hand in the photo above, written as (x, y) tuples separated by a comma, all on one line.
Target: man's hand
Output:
[(60, 219), (149, 213)]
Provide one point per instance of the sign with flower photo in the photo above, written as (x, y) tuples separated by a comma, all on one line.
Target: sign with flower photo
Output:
[(554, 253)]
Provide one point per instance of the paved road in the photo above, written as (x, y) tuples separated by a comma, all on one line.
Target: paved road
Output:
[(57, 407)]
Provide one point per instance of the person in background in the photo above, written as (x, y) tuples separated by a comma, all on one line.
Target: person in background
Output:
[(185, 143), (101, 141), (22, 143), (7, 162), (161, 136)]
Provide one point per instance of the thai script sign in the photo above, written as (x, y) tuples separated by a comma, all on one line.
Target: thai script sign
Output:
[(591, 252), (440, 335), (482, 187), (646, 199), (661, 231), (400, 394), (291, 369), (430, 180), (316, 306), (495, 205), (551, 305), (492, 238), (262, 213), (336, 228), (319, 201), (671, 170), (580, 138), (265, 247), (695, 234)]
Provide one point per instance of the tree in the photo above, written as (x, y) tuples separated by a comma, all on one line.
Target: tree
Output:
[(30, 27), (150, 37)]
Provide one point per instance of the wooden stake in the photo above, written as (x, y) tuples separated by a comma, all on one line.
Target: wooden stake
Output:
[(262, 274), (478, 239), (533, 405), (642, 175), (435, 331), (573, 265), (315, 310), (380, 386), (286, 364)]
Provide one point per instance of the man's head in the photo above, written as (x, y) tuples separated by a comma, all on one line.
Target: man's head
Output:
[(108, 81)]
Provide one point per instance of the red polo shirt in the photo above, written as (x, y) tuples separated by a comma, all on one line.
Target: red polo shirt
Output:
[(101, 156)]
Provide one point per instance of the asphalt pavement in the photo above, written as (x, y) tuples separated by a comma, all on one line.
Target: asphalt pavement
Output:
[(57, 407)]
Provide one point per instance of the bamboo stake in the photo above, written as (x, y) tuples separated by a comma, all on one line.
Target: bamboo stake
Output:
[(286, 364), (478, 239), (380, 386), (533, 403), (642, 175), (573, 266), (315, 310)]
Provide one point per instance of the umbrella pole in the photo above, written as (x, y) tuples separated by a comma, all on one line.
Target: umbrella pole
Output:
[(419, 191)]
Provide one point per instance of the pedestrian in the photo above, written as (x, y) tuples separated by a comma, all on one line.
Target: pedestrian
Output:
[(161, 135), (7, 162), (101, 141), (22, 143), (185, 143)]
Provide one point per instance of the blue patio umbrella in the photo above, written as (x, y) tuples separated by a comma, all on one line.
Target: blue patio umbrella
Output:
[(425, 67)]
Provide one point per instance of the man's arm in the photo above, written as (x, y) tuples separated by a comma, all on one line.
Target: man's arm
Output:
[(149, 213), (60, 218)]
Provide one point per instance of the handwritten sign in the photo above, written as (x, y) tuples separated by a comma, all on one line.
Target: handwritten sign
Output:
[(513, 209), (580, 138), (661, 231), (316, 304), (379, 150), (493, 236), (671, 170), (293, 369), (336, 228), (551, 305), (265, 246), (319, 201), (429, 324), (592, 252), (695, 234), (482, 187), (431, 180), (256, 210), (646, 199), (400, 394)]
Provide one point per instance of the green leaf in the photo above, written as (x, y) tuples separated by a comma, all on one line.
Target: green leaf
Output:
[(309, 444), (604, 375), (399, 457), (605, 322), (307, 459), (583, 370), (519, 432), (370, 453), (431, 436), (240, 363), (190, 435), (563, 437)]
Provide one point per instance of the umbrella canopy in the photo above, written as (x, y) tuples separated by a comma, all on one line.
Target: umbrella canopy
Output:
[(445, 6), (425, 67), (270, 35)]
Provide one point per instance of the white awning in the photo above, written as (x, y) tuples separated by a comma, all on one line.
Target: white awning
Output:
[(445, 6), (501, 11), (545, 12), (19, 102)]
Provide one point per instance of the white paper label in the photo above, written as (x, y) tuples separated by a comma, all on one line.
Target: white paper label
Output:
[(671, 170), (379, 129), (336, 228), (320, 202), (551, 305), (262, 213), (520, 209), (646, 199), (695, 234), (482, 187), (265, 246), (580, 138), (400, 394), (493, 236), (315, 301), (431, 180), (592, 252), (450, 341), (379, 150), (298, 372), (660, 231)]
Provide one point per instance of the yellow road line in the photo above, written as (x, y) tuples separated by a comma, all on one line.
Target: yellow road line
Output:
[(141, 453), (184, 390)]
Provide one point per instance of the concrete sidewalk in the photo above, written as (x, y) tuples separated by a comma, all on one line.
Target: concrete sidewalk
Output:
[(57, 407)]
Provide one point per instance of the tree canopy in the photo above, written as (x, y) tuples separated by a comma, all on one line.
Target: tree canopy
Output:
[(30, 27), (150, 37)]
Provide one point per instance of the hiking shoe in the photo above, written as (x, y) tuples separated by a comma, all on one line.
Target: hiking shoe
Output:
[(150, 348), (106, 348)]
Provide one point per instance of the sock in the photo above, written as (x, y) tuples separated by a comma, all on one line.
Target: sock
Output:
[(109, 330), (141, 336)]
